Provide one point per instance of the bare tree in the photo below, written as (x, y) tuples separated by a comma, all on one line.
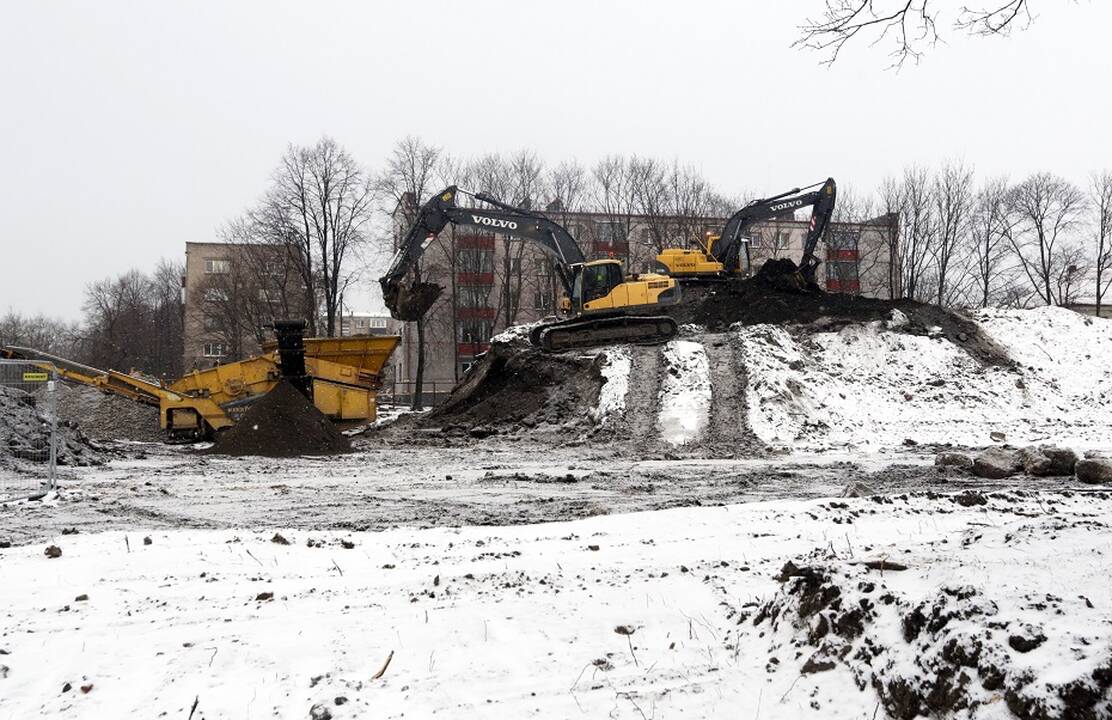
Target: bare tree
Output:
[(1070, 273), (522, 175), (133, 321), (1045, 208), (908, 27), (322, 200), (990, 229), (566, 187), (52, 335), (917, 228), (406, 182), (953, 207), (1101, 202), (890, 204), (614, 198)]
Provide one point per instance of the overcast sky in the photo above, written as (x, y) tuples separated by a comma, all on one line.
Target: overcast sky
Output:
[(130, 128)]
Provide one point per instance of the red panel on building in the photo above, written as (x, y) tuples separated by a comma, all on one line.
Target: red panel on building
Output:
[(843, 286), (475, 242), (465, 278), (471, 348), (618, 248), (845, 255), (475, 313)]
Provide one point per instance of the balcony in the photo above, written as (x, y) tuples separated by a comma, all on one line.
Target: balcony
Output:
[(475, 242), (475, 278), (616, 247), (849, 287), (841, 255), (471, 348), (475, 313)]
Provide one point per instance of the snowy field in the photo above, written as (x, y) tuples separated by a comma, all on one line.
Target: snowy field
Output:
[(631, 616), (869, 386), (609, 576)]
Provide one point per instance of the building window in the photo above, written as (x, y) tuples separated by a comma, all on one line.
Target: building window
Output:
[(211, 323), (213, 295), (476, 261), (361, 323), (542, 299), (215, 350), (609, 232), (217, 266), (472, 296), (378, 322), (475, 331)]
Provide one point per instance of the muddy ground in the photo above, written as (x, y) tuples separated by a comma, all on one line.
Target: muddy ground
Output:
[(489, 483)]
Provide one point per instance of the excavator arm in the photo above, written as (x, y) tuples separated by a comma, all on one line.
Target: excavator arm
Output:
[(410, 301), (727, 249)]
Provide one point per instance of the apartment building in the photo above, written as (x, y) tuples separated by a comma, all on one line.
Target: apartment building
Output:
[(230, 293)]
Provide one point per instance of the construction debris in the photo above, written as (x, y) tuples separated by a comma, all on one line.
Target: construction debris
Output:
[(102, 416), (25, 433)]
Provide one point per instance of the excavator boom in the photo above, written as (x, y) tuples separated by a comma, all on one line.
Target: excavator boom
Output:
[(727, 250), (411, 301)]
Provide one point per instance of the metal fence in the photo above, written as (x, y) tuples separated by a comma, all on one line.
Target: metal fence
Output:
[(401, 393), (28, 429)]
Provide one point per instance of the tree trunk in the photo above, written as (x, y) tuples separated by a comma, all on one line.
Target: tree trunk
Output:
[(419, 377)]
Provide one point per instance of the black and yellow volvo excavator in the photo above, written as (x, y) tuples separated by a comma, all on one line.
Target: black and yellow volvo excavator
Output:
[(604, 304), (727, 255)]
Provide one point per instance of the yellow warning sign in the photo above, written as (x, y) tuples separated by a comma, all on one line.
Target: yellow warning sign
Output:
[(35, 377)]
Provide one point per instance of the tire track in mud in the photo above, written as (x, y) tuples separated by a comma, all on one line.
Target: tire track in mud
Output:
[(643, 397), (727, 433)]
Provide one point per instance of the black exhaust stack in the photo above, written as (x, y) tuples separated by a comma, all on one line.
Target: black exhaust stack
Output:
[(291, 354)]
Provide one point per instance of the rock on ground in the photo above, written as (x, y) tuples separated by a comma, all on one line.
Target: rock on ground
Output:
[(1094, 470), (997, 463)]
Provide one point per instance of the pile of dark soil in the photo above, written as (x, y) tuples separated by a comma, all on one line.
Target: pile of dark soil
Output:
[(283, 423), (764, 299), (514, 388)]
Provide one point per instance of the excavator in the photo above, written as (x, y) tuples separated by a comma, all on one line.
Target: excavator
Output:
[(603, 304), (726, 255)]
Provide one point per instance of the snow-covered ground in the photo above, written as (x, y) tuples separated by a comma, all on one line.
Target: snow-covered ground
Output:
[(616, 366), (870, 386), (685, 392), (632, 616)]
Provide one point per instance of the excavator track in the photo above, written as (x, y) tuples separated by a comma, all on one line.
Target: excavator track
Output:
[(582, 332)]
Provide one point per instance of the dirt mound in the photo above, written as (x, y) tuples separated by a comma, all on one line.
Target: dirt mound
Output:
[(107, 417), (517, 388), (283, 423), (764, 299), (25, 433)]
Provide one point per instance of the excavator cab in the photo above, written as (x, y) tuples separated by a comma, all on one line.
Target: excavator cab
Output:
[(601, 286), (597, 279)]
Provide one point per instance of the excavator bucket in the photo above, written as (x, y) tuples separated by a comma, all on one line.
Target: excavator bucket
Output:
[(783, 274), (410, 302)]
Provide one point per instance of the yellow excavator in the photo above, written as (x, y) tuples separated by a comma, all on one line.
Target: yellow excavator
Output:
[(726, 254), (604, 305), (341, 375)]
